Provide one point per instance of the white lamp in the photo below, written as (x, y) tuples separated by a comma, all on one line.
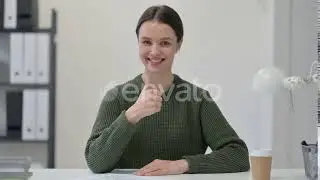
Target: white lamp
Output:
[(268, 80), (272, 79)]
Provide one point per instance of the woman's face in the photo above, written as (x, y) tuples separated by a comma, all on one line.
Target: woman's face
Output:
[(157, 46)]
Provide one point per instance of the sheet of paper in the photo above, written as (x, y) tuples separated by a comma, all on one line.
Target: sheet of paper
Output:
[(122, 174), (124, 171), (118, 177), (112, 176)]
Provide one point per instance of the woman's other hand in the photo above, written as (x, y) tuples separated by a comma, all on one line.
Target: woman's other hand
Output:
[(164, 167)]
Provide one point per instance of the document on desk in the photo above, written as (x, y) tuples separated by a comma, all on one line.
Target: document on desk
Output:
[(120, 174), (119, 177)]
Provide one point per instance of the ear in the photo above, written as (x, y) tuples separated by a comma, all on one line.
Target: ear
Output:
[(179, 45)]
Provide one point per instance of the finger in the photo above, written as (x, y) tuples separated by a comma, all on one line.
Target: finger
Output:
[(161, 90), (154, 163), (156, 92), (153, 91), (144, 169), (149, 86), (147, 94), (148, 170), (159, 172), (160, 167), (156, 98), (153, 100)]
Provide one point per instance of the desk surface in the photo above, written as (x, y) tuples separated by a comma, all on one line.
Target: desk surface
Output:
[(84, 174)]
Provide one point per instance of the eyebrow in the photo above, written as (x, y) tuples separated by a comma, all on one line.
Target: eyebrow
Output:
[(164, 38)]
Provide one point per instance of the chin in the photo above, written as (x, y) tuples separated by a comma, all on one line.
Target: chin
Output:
[(153, 70)]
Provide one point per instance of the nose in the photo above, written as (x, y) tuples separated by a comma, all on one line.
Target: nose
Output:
[(155, 50)]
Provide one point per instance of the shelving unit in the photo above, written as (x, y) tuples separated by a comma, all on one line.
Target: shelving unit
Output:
[(12, 144)]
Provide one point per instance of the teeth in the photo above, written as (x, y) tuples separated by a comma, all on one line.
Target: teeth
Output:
[(154, 60)]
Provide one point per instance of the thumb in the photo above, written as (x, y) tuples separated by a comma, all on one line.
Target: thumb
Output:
[(145, 89), (161, 90), (149, 86)]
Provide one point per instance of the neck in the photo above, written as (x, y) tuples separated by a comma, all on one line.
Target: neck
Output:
[(162, 80)]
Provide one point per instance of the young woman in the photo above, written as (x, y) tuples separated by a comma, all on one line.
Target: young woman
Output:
[(159, 123)]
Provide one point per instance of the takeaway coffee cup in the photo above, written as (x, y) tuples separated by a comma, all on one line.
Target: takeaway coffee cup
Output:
[(261, 160)]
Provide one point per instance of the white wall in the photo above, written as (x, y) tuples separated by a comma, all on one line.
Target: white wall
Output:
[(225, 44), (318, 148)]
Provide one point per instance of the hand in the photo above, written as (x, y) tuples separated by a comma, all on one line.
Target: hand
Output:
[(148, 103), (164, 167)]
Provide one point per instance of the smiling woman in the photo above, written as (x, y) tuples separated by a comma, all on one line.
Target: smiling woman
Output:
[(137, 128)]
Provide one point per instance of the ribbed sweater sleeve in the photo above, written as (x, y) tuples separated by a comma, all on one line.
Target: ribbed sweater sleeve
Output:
[(229, 153), (110, 135)]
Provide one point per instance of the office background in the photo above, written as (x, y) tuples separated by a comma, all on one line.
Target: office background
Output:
[(225, 43)]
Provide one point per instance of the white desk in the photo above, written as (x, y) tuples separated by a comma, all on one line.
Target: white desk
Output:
[(83, 174)]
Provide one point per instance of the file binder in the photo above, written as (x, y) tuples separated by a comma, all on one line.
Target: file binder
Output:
[(29, 115), (27, 14), (43, 58), (29, 64), (42, 115), (14, 112), (1, 13), (3, 113), (35, 121), (10, 13), (19, 14), (16, 57)]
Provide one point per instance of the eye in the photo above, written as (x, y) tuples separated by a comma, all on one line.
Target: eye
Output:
[(146, 42), (165, 43)]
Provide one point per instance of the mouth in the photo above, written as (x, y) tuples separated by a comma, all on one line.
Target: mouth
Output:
[(155, 61)]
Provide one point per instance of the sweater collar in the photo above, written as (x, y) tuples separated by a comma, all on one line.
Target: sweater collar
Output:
[(176, 80)]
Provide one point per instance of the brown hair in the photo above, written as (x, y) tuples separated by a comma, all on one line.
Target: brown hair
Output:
[(164, 14)]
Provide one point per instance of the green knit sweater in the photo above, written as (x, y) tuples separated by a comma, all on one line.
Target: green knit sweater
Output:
[(189, 122)]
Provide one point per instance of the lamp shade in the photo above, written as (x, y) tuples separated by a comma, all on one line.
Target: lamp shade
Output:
[(268, 80)]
